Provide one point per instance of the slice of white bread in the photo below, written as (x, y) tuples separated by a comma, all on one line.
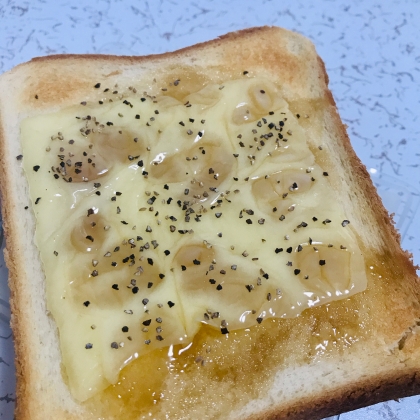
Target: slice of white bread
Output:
[(331, 359)]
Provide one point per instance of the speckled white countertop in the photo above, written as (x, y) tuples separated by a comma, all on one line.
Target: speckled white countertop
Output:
[(371, 51)]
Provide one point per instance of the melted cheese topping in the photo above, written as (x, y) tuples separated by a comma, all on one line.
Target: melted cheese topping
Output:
[(155, 216)]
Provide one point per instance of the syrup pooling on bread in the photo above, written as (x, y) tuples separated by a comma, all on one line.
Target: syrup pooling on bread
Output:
[(157, 216)]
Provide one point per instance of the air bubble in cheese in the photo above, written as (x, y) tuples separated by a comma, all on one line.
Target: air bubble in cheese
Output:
[(159, 215)]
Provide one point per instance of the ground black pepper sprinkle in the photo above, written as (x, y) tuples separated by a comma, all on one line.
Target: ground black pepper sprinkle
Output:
[(171, 304), (344, 223), (36, 168), (321, 262), (86, 303), (296, 271)]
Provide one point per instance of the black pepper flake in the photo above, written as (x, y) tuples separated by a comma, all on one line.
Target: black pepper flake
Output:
[(344, 223), (249, 221), (219, 287), (299, 248), (314, 219), (212, 281), (124, 222), (218, 215), (277, 250), (115, 287), (90, 238), (182, 123), (86, 303), (326, 221), (150, 261), (19, 157), (171, 304), (97, 86), (149, 285), (196, 262), (224, 330), (88, 346), (166, 186), (259, 320), (147, 322), (135, 289), (265, 275), (137, 116), (36, 168), (140, 163), (109, 123), (94, 273), (296, 271), (325, 173), (124, 329), (183, 268), (161, 276), (114, 345), (289, 250), (145, 301), (249, 287), (37, 200), (321, 262)]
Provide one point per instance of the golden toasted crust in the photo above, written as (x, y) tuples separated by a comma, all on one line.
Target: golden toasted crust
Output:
[(381, 364)]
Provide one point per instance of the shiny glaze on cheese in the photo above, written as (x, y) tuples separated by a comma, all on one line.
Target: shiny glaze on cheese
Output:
[(160, 213)]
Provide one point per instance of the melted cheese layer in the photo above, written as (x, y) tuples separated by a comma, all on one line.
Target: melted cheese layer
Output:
[(155, 216)]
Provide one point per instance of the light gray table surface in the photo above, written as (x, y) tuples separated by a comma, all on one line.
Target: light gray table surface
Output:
[(372, 54)]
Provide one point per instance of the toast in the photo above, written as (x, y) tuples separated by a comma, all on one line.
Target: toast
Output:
[(216, 162)]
